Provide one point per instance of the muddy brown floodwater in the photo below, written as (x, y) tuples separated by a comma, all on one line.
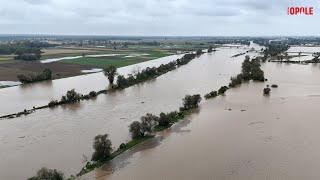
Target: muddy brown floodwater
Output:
[(62, 137), (260, 137)]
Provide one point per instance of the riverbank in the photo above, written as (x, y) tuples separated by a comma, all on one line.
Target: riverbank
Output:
[(111, 113), (190, 103), (273, 138), (144, 75)]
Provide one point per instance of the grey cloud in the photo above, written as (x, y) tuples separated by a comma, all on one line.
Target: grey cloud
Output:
[(152, 17)]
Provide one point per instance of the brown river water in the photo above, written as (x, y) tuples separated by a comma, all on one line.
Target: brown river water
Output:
[(243, 135), (62, 137)]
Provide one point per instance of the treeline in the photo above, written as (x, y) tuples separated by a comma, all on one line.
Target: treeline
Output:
[(140, 131), (250, 70), (151, 123), (274, 49), (122, 83), (152, 72), (72, 97), (140, 76), (31, 77), (231, 41), (24, 50)]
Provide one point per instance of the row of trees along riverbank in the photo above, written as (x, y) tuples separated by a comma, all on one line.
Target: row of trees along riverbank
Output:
[(122, 82), (149, 124)]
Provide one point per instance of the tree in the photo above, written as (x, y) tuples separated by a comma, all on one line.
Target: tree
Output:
[(286, 56), (122, 81), (102, 147), (71, 97), (37, 53), (164, 119), (135, 129), (199, 52), (110, 72), (191, 101), (316, 56), (210, 49), (48, 174), (47, 74), (148, 122), (222, 90)]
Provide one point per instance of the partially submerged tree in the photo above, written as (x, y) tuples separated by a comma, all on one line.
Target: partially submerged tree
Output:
[(199, 52), (71, 97), (110, 72), (48, 174), (266, 90), (135, 129), (191, 101), (316, 56), (148, 122), (223, 89), (102, 147), (210, 49)]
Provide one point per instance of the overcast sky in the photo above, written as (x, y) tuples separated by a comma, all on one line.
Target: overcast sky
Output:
[(157, 17)]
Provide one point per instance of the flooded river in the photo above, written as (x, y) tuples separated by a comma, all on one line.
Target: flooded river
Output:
[(38, 94), (260, 137), (62, 138)]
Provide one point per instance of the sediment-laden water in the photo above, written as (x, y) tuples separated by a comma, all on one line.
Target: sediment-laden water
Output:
[(62, 137), (243, 135)]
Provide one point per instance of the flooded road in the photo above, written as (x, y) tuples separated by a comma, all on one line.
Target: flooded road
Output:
[(261, 137), (62, 137)]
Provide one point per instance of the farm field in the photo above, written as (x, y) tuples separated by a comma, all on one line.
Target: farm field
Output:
[(9, 71), (118, 60)]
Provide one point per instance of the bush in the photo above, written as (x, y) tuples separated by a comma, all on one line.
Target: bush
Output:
[(93, 94), (122, 146), (266, 90), (212, 94), (102, 147), (223, 89), (236, 80), (122, 82), (53, 103), (274, 86), (48, 174)]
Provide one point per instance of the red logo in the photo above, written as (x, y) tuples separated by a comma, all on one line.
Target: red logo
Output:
[(300, 10)]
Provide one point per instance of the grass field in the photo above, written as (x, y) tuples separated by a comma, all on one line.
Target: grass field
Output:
[(99, 62), (5, 58), (118, 61)]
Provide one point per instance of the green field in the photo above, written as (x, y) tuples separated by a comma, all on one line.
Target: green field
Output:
[(5, 58), (118, 61), (101, 62)]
